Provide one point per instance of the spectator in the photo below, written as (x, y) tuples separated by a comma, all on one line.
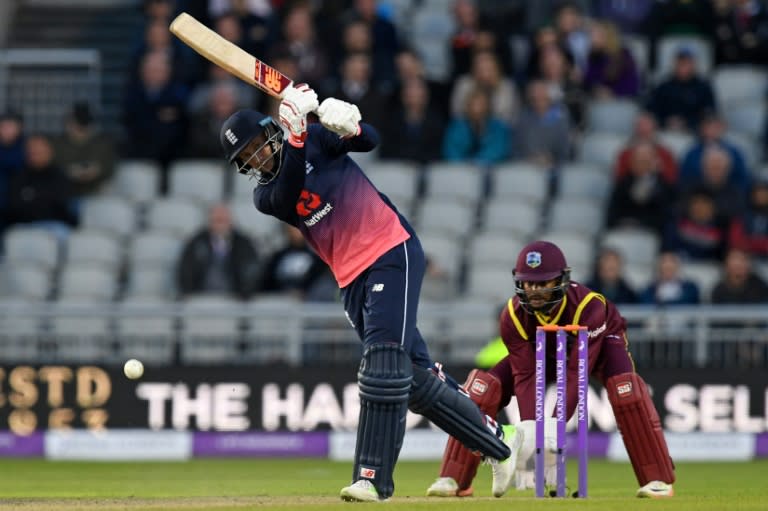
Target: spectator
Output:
[(85, 154), (555, 70), (185, 66), (154, 113), (544, 38), (741, 32), (699, 231), (410, 67), (414, 130), (299, 40), (670, 288), (683, 99), (472, 35), (542, 134), (295, 268), (261, 8), (218, 259), (715, 179), (711, 133), (466, 18), (750, 232), (256, 19), (739, 284), (611, 70), (161, 10), (247, 95), (608, 279), (385, 42), (11, 155), (540, 12), (477, 136), (675, 17), (629, 17), (356, 88), (641, 197), (41, 194), (205, 126), (645, 131), (572, 33), (486, 75)]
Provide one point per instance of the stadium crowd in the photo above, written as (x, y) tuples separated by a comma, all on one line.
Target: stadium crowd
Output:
[(663, 100)]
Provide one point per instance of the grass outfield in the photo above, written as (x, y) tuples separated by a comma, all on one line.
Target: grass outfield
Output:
[(286, 485)]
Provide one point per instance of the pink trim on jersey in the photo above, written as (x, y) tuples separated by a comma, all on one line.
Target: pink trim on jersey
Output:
[(382, 234), (357, 228)]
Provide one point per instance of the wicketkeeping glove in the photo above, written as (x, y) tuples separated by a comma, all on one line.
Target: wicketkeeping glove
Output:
[(340, 117), (297, 102)]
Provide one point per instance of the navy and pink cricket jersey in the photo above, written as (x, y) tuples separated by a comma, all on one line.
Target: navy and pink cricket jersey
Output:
[(324, 193)]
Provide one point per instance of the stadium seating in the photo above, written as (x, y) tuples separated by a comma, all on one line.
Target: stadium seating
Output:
[(182, 217), (200, 180), (615, 116), (208, 333), (520, 180), (577, 215), (115, 215), (637, 246), (94, 246), (143, 335), (585, 181), (87, 281), (513, 217), (137, 180), (22, 280), (32, 245), (455, 182)]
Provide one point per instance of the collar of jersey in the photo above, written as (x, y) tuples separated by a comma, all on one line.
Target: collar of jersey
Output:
[(542, 319)]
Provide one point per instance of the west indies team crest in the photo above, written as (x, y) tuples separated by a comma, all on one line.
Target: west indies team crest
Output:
[(533, 259)]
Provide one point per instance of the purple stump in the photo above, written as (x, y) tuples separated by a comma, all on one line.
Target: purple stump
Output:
[(582, 410), (560, 382), (541, 350)]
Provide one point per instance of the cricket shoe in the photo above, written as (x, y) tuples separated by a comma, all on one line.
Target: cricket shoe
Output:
[(656, 490), (447, 487), (360, 491), (504, 470)]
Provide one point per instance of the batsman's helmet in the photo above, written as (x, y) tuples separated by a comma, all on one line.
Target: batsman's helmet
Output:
[(541, 261), (239, 130)]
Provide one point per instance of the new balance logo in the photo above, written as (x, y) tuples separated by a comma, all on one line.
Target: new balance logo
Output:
[(377, 288), (231, 138), (367, 473), (308, 166)]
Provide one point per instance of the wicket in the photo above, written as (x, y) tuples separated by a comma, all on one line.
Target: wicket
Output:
[(561, 333)]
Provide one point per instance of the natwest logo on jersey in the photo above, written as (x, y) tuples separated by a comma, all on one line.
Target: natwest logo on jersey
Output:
[(308, 205)]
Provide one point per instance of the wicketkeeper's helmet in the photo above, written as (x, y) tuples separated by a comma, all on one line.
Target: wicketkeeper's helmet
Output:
[(541, 261)]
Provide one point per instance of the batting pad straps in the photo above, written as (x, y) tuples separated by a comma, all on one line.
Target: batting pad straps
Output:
[(454, 413), (384, 380)]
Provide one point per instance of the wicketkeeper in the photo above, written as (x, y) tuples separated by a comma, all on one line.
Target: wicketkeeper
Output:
[(310, 182), (544, 294)]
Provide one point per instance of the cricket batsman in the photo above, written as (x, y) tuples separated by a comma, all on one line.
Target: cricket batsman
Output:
[(306, 178), (544, 294)]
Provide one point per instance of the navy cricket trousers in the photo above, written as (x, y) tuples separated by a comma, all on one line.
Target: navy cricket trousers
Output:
[(381, 303)]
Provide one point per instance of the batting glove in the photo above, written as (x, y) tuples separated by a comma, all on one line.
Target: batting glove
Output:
[(297, 102), (340, 117)]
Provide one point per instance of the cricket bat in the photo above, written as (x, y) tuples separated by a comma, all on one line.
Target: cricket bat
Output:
[(229, 56)]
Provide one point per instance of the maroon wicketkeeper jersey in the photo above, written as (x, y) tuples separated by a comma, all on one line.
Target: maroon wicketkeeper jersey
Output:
[(580, 306)]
